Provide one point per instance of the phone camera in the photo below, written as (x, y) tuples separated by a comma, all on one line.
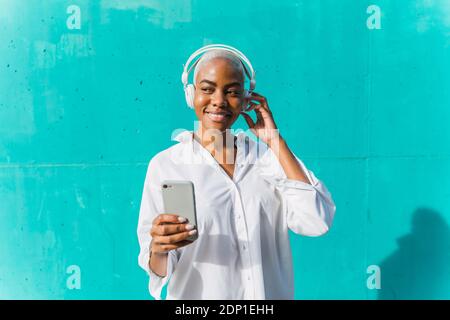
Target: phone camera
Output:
[(165, 186)]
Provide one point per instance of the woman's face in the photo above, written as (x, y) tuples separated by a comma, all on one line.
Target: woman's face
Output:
[(219, 94)]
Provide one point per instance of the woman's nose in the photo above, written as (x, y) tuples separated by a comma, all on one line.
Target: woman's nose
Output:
[(218, 99)]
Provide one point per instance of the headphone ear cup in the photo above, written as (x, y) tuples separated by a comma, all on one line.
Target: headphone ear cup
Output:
[(189, 92), (247, 96)]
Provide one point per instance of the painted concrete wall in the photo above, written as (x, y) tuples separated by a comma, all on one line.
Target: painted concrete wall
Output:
[(90, 91)]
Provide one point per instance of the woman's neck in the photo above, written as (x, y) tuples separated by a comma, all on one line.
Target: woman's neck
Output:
[(216, 142)]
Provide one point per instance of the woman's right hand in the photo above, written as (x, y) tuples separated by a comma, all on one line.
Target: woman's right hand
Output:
[(169, 232)]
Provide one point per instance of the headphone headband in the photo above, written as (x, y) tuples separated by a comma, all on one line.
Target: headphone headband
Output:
[(248, 71)]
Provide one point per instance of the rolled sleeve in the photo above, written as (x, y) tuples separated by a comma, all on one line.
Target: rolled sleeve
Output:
[(309, 208), (156, 282)]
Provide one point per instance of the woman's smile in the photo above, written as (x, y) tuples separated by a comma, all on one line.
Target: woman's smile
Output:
[(218, 116)]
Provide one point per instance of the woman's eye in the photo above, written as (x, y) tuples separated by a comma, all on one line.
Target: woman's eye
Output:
[(234, 92), (207, 90)]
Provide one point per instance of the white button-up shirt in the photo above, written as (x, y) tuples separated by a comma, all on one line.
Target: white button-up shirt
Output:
[(243, 249)]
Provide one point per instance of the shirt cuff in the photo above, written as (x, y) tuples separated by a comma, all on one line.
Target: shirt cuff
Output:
[(156, 282)]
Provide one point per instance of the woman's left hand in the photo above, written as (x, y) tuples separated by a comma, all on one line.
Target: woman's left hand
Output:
[(265, 127)]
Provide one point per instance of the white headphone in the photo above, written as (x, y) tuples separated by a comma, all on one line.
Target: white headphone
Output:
[(189, 89)]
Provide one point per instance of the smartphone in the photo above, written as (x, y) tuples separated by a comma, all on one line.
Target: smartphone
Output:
[(179, 198)]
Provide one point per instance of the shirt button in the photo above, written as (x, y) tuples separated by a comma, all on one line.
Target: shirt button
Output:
[(244, 247)]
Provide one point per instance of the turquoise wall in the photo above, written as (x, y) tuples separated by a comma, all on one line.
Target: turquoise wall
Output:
[(363, 99)]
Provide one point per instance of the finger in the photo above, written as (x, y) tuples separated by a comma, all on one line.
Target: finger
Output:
[(248, 119), (174, 238), (184, 243), (167, 247), (252, 106), (257, 94), (168, 218), (168, 229), (257, 97), (261, 99), (259, 116), (262, 112), (263, 108)]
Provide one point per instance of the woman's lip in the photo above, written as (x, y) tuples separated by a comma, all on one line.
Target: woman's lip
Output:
[(219, 117), (220, 112)]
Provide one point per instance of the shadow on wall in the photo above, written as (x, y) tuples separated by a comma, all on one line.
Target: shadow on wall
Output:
[(420, 267)]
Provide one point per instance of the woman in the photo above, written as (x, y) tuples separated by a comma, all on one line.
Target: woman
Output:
[(248, 195)]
